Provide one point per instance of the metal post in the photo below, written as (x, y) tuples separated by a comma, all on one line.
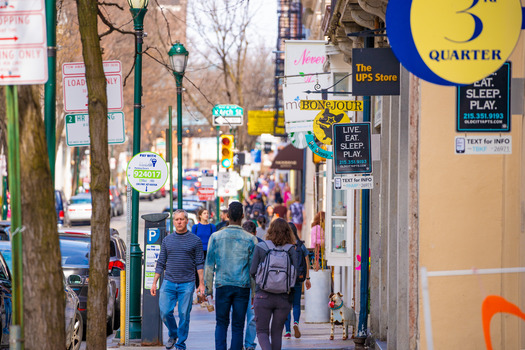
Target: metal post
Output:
[(4, 197), (135, 252), (218, 199), (50, 86), (16, 207), (178, 80), (362, 330), (169, 133)]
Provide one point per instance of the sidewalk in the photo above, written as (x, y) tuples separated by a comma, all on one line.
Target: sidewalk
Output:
[(202, 336)]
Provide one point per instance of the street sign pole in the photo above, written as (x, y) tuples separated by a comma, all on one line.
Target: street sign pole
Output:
[(218, 200), (16, 209)]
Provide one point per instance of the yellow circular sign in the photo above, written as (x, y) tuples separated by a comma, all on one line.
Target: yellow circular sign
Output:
[(465, 40), (323, 123)]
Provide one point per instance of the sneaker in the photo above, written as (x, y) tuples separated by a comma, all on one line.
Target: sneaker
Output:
[(288, 335), (170, 343), (296, 331)]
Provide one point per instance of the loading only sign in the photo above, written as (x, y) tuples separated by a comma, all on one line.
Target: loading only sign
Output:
[(352, 152), (485, 105)]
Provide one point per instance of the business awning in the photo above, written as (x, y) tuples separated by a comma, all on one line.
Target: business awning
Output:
[(289, 158)]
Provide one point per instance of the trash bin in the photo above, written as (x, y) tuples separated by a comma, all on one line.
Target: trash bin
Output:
[(316, 298), (154, 233)]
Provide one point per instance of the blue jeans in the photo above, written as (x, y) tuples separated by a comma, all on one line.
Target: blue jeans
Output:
[(249, 337), (230, 298), (171, 294), (296, 306)]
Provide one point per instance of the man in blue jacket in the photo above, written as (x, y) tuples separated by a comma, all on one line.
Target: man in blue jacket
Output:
[(230, 252), (180, 255)]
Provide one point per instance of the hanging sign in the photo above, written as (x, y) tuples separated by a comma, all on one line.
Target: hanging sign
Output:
[(303, 69), (310, 140), (483, 145), (352, 151), (375, 72), (485, 105), (345, 105), (452, 42), (365, 182)]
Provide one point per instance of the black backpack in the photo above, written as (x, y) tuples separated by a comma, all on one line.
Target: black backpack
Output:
[(300, 262)]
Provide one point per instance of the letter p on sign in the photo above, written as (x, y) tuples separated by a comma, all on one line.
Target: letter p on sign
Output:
[(153, 235)]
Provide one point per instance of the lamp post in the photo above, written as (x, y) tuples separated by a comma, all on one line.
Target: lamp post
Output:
[(138, 10), (178, 59)]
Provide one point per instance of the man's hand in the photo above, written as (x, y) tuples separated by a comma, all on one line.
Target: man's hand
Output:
[(153, 290), (200, 290)]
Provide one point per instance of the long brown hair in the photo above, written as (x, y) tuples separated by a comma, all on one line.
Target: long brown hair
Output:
[(318, 218), (280, 233)]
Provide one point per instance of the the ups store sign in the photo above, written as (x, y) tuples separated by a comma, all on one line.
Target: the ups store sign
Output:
[(375, 72)]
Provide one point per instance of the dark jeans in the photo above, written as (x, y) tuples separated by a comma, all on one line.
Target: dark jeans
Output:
[(230, 298), (270, 306), (296, 308)]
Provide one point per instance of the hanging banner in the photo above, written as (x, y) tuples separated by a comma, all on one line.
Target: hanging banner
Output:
[(375, 72), (303, 69)]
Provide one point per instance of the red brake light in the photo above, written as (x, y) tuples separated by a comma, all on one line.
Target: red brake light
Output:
[(61, 214), (117, 263)]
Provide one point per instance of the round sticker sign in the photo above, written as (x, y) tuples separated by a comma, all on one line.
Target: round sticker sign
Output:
[(147, 172)]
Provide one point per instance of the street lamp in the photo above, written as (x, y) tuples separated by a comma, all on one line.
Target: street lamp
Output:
[(178, 59), (138, 9)]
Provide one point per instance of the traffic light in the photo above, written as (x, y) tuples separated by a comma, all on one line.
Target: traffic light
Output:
[(227, 151)]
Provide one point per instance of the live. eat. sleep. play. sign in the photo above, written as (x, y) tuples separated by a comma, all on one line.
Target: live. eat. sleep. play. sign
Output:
[(352, 152)]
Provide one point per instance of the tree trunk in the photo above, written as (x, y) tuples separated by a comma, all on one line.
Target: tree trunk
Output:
[(43, 292), (98, 129)]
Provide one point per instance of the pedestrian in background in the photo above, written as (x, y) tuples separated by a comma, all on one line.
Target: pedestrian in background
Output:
[(297, 214), (280, 209), (271, 305), (230, 253), (298, 288), (251, 332), (261, 226), (203, 230), (317, 237), (180, 255), (224, 219)]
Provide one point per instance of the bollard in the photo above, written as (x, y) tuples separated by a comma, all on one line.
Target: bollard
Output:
[(154, 233), (122, 307)]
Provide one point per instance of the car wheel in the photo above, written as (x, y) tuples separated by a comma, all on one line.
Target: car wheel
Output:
[(78, 332)]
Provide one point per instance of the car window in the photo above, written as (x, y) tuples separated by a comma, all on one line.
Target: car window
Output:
[(112, 249), (80, 200), (4, 274), (75, 250), (5, 249)]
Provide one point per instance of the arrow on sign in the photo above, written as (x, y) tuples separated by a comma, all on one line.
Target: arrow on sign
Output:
[(9, 76), (15, 38)]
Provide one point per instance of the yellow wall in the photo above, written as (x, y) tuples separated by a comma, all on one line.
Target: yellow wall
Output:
[(470, 217)]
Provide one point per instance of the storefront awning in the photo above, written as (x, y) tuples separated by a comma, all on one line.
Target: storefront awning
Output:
[(289, 158)]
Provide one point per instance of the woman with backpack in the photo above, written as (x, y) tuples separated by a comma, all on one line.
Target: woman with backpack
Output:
[(203, 230), (302, 276), (273, 297)]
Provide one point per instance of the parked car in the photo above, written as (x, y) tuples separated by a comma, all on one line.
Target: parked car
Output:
[(4, 230), (61, 209), (74, 322), (80, 208), (115, 198), (190, 185), (75, 249), (148, 196)]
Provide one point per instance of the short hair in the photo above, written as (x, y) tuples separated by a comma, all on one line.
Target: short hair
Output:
[(181, 211), (249, 226), (279, 201), (235, 211)]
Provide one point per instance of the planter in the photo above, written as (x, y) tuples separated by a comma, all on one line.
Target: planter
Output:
[(316, 298)]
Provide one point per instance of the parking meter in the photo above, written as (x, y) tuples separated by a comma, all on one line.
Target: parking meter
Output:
[(154, 233)]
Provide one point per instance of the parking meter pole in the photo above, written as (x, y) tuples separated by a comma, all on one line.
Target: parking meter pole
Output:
[(16, 209), (154, 233), (4, 198)]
